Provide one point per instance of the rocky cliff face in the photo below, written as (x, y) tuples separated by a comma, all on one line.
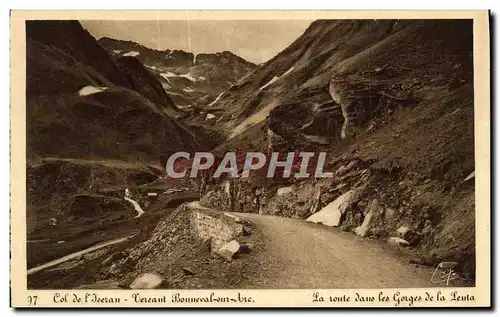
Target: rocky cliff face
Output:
[(392, 103)]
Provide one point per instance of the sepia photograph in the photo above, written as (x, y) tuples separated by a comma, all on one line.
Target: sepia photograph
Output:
[(300, 153)]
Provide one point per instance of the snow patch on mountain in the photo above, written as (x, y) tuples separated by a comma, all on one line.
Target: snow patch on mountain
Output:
[(132, 53), (188, 76), (288, 71), (170, 74), (89, 90), (254, 119), (276, 78), (166, 75), (216, 99), (117, 51), (174, 93), (273, 80)]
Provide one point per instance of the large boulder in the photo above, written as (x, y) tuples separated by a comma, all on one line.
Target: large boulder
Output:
[(284, 190), (403, 231), (396, 241), (361, 231), (409, 235), (373, 211), (331, 214), (147, 281), (229, 249)]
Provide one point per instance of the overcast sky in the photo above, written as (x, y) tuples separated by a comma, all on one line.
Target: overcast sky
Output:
[(254, 40)]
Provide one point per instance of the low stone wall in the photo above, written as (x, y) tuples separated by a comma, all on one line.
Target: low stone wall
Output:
[(217, 227)]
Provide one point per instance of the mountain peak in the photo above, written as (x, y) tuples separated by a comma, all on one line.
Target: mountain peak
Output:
[(125, 46)]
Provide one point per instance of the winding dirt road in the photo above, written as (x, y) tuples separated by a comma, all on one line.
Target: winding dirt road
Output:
[(305, 255)]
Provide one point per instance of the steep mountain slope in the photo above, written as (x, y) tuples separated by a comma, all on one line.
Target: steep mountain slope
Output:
[(191, 80), (95, 126), (355, 53), (145, 82), (83, 104), (391, 101), (79, 58)]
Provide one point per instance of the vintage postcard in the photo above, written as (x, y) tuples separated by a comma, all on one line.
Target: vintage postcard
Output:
[(250, 159)]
